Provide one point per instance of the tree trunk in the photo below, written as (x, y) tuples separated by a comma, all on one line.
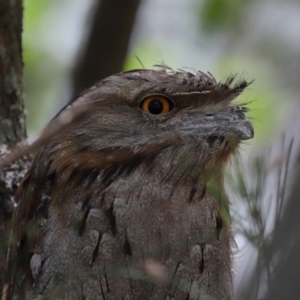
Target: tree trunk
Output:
[(107, 44), (12, 116)]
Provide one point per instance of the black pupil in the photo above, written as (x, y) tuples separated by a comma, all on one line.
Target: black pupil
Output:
[(155, 107)]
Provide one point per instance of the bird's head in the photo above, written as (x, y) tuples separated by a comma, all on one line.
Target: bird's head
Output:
[(139, 114)]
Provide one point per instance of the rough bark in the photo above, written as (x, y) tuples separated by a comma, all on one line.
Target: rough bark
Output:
[(12, 117)]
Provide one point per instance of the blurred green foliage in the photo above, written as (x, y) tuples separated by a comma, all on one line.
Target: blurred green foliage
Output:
[(42, 72), (215, 14)]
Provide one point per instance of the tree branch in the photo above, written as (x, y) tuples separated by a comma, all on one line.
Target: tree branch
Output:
[(108, 42)]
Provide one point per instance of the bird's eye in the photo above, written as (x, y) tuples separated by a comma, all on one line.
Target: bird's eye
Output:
[(156, 105)]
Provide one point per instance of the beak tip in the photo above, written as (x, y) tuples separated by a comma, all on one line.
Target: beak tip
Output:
[(247, 131)]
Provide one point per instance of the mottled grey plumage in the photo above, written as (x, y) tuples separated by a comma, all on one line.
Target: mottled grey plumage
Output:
[(122, 188)]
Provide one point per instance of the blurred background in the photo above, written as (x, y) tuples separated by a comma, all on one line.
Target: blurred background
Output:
[(69, 45)]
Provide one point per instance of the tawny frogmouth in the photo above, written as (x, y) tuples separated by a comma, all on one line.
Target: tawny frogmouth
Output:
[(128, 202)]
